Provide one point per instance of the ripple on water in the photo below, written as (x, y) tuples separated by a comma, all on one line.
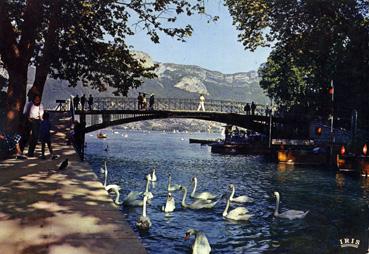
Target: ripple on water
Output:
[(338, 205)]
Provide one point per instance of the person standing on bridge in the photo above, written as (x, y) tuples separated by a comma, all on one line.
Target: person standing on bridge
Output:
[(151, 102), (83, 101), (247, 109), (201, 103), (267, 111), (139, 101), (144, 101), (76, 102), (253, 108), (90, 102)]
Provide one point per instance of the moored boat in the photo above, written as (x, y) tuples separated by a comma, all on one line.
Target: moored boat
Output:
[(233, 148), (353, 163), (202, 141), (300, 152), (101, 135), (303, 156)]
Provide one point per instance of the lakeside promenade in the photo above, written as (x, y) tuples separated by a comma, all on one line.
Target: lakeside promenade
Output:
[(43, 210)]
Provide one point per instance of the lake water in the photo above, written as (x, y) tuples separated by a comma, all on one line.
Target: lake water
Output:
[(338, 204)]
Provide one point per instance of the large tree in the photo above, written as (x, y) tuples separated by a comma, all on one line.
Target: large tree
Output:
[(82, 41), (313, 42)]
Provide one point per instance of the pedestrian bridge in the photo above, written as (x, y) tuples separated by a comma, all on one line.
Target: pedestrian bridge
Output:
[(112, 111)]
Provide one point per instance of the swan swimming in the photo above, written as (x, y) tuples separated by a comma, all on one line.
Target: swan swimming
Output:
[(173, 187), (238, 214), (202, 195), (110, 186), (240, 199), (117, 195), (198, 204), (132, 199), (144, 222), (152, 176), (201, 244), (170, 205), (289, 214), (147, 192)]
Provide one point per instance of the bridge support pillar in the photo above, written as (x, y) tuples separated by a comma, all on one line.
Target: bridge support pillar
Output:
[(106, 118)]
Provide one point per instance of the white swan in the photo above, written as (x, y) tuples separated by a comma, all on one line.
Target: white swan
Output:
[(111, 187), (132, 199), (240, 199), (201, 244), (147, 192), (170, 205), (117, 194), (143, 222), (198, 204), (152, 176), (289, 214), (202, 195), (239, 213), (173, 187)]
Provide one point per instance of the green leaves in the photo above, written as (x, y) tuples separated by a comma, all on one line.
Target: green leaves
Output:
[(313, 42), (84, 41)]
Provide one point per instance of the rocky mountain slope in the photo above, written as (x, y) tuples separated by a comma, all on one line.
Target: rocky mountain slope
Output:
[(173, 81)]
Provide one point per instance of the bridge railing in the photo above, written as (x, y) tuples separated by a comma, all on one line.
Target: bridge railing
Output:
[(119, 103)]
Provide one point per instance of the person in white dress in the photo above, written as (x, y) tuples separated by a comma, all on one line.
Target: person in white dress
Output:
[(201, 103)]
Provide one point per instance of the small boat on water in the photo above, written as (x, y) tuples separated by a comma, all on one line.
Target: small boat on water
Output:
[(101, 135), (233, 148), (240, 142), (302, 157), (352, 162), (202, 141), (300, 152)]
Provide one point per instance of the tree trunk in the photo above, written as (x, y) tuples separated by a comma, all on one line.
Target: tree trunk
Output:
[(40, 79), (43, 68), (16, 96)]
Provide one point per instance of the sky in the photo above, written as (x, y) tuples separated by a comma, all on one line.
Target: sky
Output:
[(213, 46)]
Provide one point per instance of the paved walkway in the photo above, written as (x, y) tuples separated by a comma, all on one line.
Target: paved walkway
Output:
[(43, 211)]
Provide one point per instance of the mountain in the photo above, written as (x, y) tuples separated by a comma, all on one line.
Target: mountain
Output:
[(173, 81)]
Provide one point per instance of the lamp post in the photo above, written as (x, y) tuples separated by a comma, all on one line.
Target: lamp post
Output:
[(331, 138), (270, 122)]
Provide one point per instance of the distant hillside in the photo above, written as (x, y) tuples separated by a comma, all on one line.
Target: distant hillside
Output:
[(174, 80)]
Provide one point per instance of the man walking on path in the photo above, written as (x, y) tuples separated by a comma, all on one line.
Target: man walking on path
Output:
[(76, 102), (34, 112), (90, 102), (253, 108), (247, 109), (83, 101), (201, 103)]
